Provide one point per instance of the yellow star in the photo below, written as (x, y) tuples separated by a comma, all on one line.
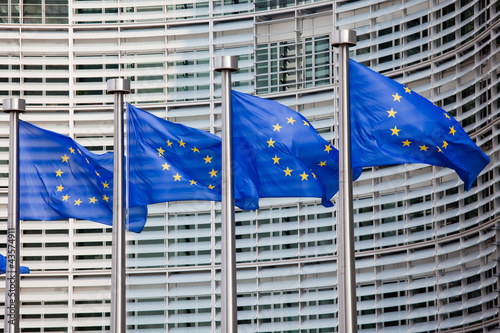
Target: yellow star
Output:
[(439, 149), (271, 142), (277, 127), (59, 173), (424, 148), (160, 151), (86, 159), (65, 158), (288, 172), (195, 150), (78, 202), (60, 188), (166, 166), (208, 159), (169, 143), (397, 97), (93, 200), (105, 198), (452, 130), (408, 90), (105, 184), (328, 148), (290, 120), (313, 174), (306, 123), (445, 144), (395, 130), (182, 143), (97, 173), (177, 177), (406, 143), (304, 175), (213, 173), (392, 113), (71, 150), (79, 151), (211, 186), (322, 163), (65, 198), (446, 115), (193, 182), (276, 159)]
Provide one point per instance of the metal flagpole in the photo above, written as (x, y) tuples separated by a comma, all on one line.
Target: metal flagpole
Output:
[(118, 87), (229, 317), (13, 106), (346, 272)]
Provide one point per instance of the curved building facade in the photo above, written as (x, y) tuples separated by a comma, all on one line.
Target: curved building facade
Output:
[(426, 250)]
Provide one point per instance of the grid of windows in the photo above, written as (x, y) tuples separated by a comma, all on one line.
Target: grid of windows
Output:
[(34, 11), (426, 250)]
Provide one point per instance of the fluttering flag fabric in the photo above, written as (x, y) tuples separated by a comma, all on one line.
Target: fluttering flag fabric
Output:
[(276, 153), (173, 162), (3, 266), (59, 178), (169, 161), (391, 124), (280, 152)]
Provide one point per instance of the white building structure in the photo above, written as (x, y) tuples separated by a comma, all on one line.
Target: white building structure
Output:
[(426, 250)]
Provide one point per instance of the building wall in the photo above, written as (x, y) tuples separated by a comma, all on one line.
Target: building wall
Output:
[(426, 249)]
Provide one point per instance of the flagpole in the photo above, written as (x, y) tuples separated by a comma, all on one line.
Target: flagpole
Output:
[(14, 106), (229, 316), (346, 270), (118, 87)]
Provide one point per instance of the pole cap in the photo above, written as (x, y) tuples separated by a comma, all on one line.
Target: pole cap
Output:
[(344, 37), (226, 62), (118, 86), (14, 105)]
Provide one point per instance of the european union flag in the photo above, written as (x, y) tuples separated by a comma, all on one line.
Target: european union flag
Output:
[(3, 266), (61, 179), (391, 124), (276, 153), (280, 153), (171, 162)]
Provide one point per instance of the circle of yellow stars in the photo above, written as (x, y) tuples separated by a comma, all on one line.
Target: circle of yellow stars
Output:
[(59, 174), (179, 177), (395, 131), (276, 160)]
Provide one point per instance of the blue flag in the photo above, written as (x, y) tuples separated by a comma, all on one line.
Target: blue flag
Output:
[(61, 179), (391, 124), (280, 153), (3, 266), (171, 162)]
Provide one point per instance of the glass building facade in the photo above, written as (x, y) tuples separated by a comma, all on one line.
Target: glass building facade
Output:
[(426, 250)]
